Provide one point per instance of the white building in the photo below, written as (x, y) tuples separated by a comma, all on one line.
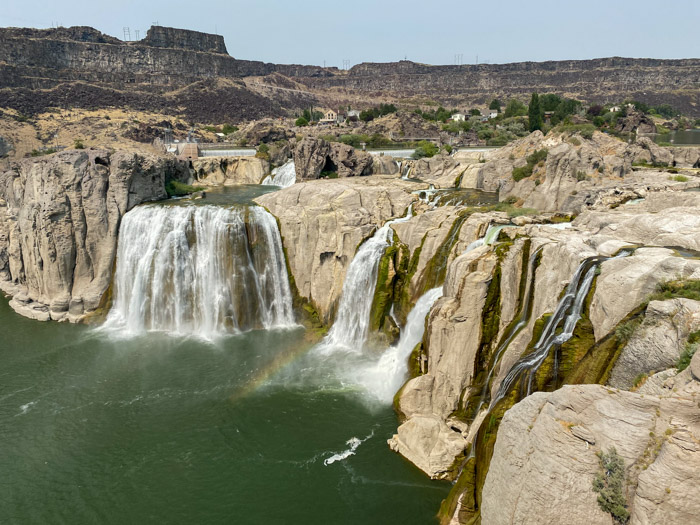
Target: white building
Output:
[(459, 117)]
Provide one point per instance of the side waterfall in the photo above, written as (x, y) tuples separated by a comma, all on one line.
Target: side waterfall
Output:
[(349, 331), (284, 176), (201, 270), (569, 311), (489, 237), (385, 377)]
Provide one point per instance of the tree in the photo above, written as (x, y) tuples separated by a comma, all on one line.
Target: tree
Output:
[(301, 122), (515, 108), (495, 104), (534, 113), (474, 112)]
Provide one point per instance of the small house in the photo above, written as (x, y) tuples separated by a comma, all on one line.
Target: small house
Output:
[(329, 117), (458, 117)]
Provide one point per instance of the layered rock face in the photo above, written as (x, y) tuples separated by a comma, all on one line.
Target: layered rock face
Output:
[(485, 293), (59, 221), (549, 441), (315, 156), (216, 171), (323, 223)]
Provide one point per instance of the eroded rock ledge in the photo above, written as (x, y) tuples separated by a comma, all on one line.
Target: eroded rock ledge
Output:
[(59, 222)]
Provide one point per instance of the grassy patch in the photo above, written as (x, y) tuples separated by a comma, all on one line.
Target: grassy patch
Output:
[(179, 189), (679, 178), (532, 160), (686, 288)]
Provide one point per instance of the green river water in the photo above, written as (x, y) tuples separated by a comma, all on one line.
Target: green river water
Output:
[(159, 429)]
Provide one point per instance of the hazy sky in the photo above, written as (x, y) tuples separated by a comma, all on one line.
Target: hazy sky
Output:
[(314, 31)]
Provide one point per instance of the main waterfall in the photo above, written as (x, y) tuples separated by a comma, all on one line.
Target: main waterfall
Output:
[(201, 270)]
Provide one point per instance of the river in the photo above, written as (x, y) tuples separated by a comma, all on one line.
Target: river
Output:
[(162, 429), (96, 427)]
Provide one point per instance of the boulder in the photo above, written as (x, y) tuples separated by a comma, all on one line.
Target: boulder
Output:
[(215, 171), (313, 156), (635, 122), (657, 343)]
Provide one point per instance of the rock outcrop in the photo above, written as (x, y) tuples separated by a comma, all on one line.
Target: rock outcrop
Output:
[(313, 156), (322, 223), (657, 343), (549, 441), (216, 171), (59, 221), (635, 122)]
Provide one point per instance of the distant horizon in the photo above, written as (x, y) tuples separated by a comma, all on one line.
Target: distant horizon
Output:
[(458, 33)]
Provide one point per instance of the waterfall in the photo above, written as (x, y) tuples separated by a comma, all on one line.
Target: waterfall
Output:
[(349, 331), (284, 176), (569, 311), (489, 237), (201, 270), (524, 314), (385, 377)]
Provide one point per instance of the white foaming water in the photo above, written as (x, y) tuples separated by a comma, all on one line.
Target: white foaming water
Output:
[(284, 176), (201, 270), (349, 332), (384, 378), (559, 225), (354, 443), (488, 239)]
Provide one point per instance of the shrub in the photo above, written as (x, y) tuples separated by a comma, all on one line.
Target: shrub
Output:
[(78, 144), (227, 129), (691, 346), (679, 178), (39, 153), (609, 484), (625, 331), (581, 175), (425, 149), (522, 173), (532, 160), (301, 122)]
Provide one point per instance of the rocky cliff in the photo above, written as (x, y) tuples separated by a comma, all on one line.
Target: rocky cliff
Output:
[(59, 222), (145, 71)]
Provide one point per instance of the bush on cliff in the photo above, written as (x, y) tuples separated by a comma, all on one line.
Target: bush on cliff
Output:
[(609, 484), (301, 122), (532, 160)]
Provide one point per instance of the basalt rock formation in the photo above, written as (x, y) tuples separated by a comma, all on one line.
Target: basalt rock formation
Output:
[(313, 156), (81, 67), (59, 221)]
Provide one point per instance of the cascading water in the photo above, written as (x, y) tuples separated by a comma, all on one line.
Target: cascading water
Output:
[(384, 378), (201, 270), (568, 310), (284, 176), (524, 314), (489, 237), (349, 331)]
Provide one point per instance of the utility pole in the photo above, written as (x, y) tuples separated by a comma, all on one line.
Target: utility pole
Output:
[(127, 34)]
